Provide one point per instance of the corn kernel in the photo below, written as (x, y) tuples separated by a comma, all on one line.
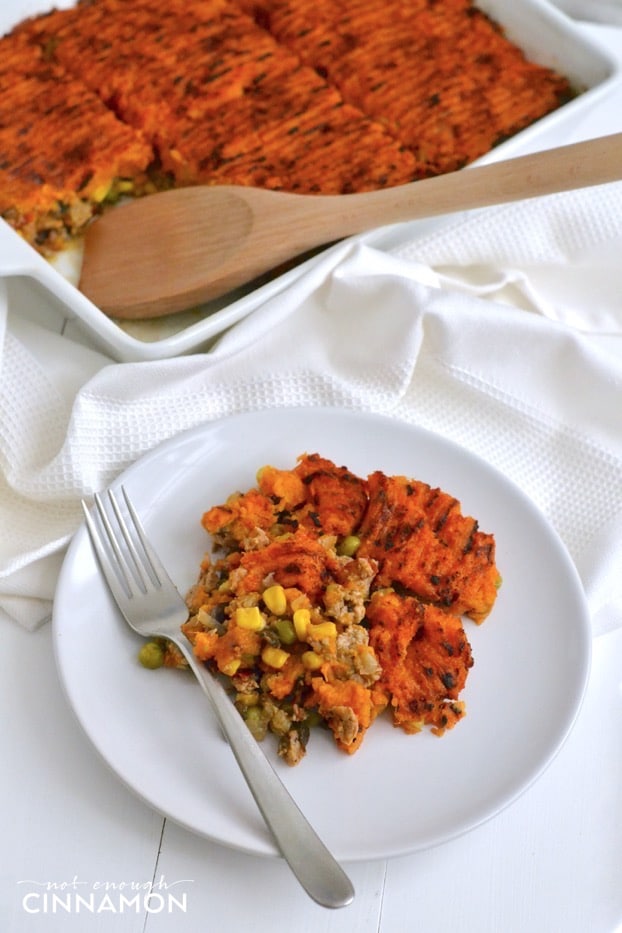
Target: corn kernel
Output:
[(231, 667), (274, 657), (311, 660), (275, 599), (302, 620), (249, 617), (322, 630), (101, 193)]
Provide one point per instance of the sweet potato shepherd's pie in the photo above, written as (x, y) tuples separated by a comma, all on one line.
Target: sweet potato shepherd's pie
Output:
[(331, 598), (124, 97)]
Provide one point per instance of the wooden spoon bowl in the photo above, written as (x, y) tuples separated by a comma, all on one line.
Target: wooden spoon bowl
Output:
[(171, 251)]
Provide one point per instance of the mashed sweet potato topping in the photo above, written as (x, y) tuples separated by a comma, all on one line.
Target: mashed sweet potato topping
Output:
[(111, 98), (329, 598)]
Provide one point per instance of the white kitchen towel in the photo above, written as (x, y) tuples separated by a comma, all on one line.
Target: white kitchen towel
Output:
[(557, 255), (362, 330)]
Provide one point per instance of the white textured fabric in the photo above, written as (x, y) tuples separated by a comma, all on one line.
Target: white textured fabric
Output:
[(363, 330), (558, 255)]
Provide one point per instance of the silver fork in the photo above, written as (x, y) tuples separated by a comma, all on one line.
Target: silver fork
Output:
[(153, 607)]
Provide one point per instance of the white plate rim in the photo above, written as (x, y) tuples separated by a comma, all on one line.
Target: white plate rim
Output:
[(256, 840)]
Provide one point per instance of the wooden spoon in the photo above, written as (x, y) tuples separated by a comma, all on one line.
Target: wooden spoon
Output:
[(171, 251)]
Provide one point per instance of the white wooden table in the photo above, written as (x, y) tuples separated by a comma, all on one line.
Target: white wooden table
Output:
[(80, 852)]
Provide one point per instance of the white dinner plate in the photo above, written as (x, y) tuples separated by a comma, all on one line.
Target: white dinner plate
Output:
[(398, 793)]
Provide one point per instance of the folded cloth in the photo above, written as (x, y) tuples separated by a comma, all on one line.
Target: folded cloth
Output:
[(366, 330), (557, 255)]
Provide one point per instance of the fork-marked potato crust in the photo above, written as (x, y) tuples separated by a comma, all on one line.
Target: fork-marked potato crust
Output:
[(113, 98), (427, 547)]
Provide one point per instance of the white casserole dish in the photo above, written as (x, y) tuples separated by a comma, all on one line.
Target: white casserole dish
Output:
[(546, 35)]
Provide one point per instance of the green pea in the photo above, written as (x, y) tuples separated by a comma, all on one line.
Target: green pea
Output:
[(349, 546), (257, 722), (151, 655), (285, 630), (313, 718)]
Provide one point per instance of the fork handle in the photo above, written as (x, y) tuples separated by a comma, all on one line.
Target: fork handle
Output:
[(314, 866)]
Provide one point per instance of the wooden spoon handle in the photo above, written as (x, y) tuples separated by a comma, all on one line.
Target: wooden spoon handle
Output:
[(579, 165), (187, 246)]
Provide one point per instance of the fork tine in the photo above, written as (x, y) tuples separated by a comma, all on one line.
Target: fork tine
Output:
[(103, 517), (141, 562), (115, 577), (126, 552), (153, 561)]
